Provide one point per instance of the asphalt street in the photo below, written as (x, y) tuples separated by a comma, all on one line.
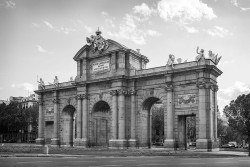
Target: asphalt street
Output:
[(152, 161)]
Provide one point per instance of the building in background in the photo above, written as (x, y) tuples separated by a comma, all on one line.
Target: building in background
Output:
[(24, 102)]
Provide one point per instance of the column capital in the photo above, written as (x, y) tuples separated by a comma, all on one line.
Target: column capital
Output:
[(78, 97), (55, 101), (132, 92), (81, 96), (122, 92), (214, 87), (169, 87), (201, 85), (113, 92), (40, 102)]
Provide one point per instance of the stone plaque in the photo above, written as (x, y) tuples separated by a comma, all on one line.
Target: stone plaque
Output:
[(186, 99), (101, 65)]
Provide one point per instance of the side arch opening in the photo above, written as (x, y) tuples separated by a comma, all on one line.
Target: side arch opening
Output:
[(100, 124)]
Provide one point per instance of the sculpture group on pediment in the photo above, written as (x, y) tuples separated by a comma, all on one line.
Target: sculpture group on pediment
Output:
[(98, 43)]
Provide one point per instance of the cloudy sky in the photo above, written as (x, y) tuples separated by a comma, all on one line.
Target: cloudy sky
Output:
[(40, 38)]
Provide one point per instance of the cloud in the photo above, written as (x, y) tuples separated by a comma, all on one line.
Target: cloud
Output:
[(143, 10), (184, 11), (42, 50), (88, 29), (50, 26), (108, 19), (62, 29), (153, 33), (238, 5), (26, 86), (190, 30), (9, 4), (231, 93), (218, 31)]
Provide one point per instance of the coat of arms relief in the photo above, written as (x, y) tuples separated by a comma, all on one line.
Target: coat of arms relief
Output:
[(98, 43)]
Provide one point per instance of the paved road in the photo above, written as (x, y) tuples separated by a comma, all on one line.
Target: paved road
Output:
[(123, 162)]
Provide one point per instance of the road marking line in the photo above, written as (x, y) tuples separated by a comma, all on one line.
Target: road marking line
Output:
[(105, 165), (80, 161), (244, 160), (32, 162), (122, 160), (151, 164), (192, 163), (225, 162)]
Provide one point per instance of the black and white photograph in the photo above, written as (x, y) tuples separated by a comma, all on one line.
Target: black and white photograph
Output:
[(124, 83)]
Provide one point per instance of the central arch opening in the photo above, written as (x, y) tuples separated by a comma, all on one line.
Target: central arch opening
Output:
[(154, 110), (100, 131)]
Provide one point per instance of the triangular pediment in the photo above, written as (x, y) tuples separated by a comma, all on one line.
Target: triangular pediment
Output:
[(87, 50)]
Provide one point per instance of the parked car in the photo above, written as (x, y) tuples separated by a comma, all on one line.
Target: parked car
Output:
[(234, 143), (192, 144), (228, 145)]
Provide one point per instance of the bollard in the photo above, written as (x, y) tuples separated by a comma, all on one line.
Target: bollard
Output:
[(46, 149)]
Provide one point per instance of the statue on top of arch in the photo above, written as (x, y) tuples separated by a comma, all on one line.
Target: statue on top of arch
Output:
[(97, 42)]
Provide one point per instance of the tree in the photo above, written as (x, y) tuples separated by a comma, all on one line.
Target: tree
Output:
[(238, 114)]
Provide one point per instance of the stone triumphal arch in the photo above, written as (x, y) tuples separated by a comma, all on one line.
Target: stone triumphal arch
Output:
[(109, 102)]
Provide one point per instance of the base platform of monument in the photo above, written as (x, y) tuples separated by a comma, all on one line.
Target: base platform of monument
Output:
[(132, 143), (118, 143), (207, 145), (40, 141), (55, 142), (81, 142), (169, 144)]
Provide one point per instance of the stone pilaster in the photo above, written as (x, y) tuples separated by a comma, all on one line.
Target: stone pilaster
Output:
[(114, 115), (85, 120), (40, 140), (169, 120), (79, 117), (132, 140), (215, 112), (56, 141)]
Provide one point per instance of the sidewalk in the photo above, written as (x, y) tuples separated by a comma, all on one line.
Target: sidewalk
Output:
[(33, 150), (188, 154)]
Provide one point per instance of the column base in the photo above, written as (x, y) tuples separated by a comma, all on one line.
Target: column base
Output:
[(170, 144), (118, 143), (132, 143), (81, 142), (40, 141), (55, 142), (207, 145)]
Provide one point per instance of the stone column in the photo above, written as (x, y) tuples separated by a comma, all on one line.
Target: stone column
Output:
[(78, 120), (121, 114), (215, 113), (202, 141), (56, 141), (121, 118), (114, 115), (132, 140), (85, 120), (169, 120), (40, 140)]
